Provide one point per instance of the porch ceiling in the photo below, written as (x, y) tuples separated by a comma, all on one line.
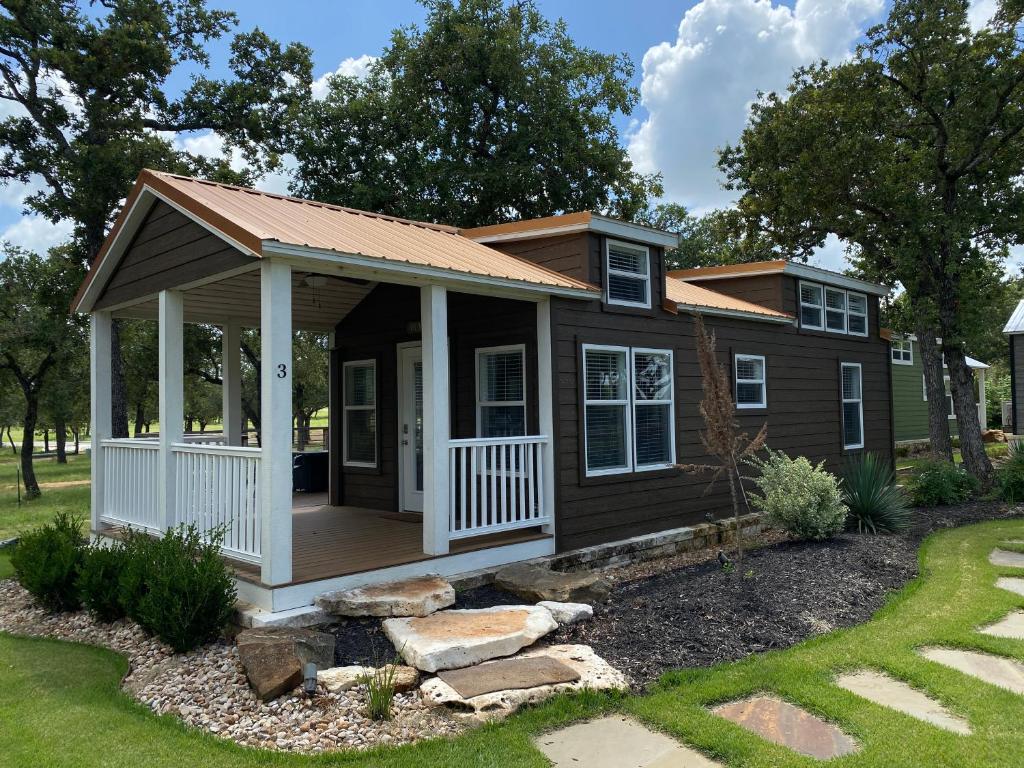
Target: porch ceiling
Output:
[(237, 299)]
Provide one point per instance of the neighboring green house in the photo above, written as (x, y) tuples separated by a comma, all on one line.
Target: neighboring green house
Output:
[(909, 399)]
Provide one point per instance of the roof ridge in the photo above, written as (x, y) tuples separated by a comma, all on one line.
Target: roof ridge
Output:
[(446, 228)]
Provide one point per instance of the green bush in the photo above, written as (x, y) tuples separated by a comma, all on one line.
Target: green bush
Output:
[(799, 497), (870, 492), (47, 562), (99, 581), (139, 560), (1009, 479), (178, 587), (935, 483)]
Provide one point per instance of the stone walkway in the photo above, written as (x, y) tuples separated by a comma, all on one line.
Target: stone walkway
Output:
[(995, 670), (1012, 626), (1006, 559), (1011, 584), (788, 725), (895, 694)]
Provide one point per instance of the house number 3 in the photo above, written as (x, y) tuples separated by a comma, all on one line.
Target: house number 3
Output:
[(282, 371)]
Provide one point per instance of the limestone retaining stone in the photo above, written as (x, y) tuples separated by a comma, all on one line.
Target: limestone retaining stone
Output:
[(568, 613), (273, 658), (461, 638), (341, 679), (536, 583), (412, 597)]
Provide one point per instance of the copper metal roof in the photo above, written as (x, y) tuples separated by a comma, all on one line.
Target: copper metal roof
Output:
[(691, 295)]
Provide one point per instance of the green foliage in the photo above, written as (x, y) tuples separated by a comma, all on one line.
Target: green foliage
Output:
[(380, 690), (870, 492), (178, 587), (937, 483), (100, 578), (797, 496), (717, 237), (1009, 483), (47, 562), (487, 113)]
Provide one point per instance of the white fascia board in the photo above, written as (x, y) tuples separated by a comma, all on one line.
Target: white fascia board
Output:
[(400, 269), (600, 224), (828, 277), (735, 313)]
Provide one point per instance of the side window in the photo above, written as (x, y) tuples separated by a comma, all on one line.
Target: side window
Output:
[(857, 307), (750, 382), (628, 274), (853, 406), (835, 310), (811, 306), (501, 391), (360, 413)]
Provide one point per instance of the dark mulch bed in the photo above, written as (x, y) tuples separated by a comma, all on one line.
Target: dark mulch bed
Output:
[(700, 615)]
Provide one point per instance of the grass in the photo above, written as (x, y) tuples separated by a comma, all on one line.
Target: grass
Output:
[(60, 703), (72, 497)]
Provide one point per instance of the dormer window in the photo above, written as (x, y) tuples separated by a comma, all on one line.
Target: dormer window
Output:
[(628, 274), (824, 308)]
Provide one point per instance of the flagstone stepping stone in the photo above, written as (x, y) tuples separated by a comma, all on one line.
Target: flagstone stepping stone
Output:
[(462, 638), (1012, 626), (895, 694), (534, 583), (995, 670), (592, 673), (421, 596), (617, 742), (508, 674), (1006, 558), (790, 726), (1011, 584)]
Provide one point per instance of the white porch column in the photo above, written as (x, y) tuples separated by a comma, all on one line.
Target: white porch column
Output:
[(276, 421), (100, 416), (982, 409), (545, 408), (231, 389), (434, 323), (172, 398)]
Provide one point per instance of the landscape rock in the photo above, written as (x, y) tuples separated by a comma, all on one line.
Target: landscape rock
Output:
[(783, 723), (536, 583), (273, 658), (461, 638), (568, 613), (341, 679), (412, 597), (594, 674)]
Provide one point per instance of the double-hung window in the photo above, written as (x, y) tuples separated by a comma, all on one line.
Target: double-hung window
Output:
[(852, 393), (501, 391), (628, 274), (628, 405), (360, 413), (857, 313), (835, 310), (811, 306), (750, 382), (902, 351)]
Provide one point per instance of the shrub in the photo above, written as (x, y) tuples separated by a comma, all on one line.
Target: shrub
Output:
[(99, 581), (799, 497), (47, 561), (934, 483), (178, 587), (139, 561), (872, 496), (1009, 479)]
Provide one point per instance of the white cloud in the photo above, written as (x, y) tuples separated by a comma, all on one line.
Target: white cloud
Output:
[(358, 68), (36, 233), (981, 12), (698, 89)]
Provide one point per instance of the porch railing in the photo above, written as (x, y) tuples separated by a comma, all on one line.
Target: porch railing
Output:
[(130, 470), (497, 484), (218, 486)]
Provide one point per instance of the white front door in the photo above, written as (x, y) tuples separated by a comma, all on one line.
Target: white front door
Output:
[(410, 427)]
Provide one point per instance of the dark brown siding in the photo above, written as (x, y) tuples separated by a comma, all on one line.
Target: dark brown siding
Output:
[(803, 414), (382, 321), (1017, 377), (169, 250), (568, 254), (765, 290)]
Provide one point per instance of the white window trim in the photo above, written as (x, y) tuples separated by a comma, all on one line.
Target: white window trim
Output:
[(628, 410), (827, 289), (671, 403), (481, 404), (908, 348), (859, 401), (850, 313), (924, 395), (345, 408), (631, 275), (763, 381), (820, 307)]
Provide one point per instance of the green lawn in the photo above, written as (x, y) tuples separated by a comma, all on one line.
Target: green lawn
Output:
[(72, 496), (60, 703)]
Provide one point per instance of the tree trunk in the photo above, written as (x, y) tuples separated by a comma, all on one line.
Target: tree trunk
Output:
[(78, 438), (10, 439), (46, 440), (61, 433), (965, 406), (140, 416), (938, 416), (118, 391), (28, 446)]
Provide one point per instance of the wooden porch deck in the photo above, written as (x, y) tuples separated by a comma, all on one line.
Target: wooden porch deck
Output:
[(339, 541)]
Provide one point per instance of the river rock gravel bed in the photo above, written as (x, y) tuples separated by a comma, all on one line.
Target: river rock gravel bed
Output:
[(207, 688)]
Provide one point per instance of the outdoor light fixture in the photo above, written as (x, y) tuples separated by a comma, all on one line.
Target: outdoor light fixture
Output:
[(309, 678), (316, 282), (413, 326)]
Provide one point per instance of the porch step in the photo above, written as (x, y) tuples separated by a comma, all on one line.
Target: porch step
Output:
[(421, 596)]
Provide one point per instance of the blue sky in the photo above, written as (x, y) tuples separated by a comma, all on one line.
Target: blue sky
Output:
[(699, 63)]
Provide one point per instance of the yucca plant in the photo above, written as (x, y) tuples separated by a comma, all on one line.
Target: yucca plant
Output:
[(872, 496), (380, 686)]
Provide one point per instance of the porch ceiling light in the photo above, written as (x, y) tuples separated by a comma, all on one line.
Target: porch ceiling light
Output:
[(316, 282)]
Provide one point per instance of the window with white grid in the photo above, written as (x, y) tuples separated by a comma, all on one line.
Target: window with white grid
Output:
[(857, 313), (360, 413), (750, 381), (835, 310), (501, 391), (653, 435), (628, 274), (853, 406), (811, 306), (902, 351)]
